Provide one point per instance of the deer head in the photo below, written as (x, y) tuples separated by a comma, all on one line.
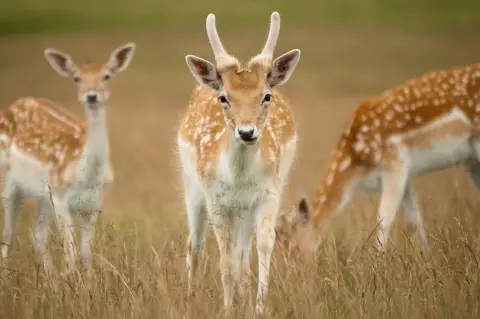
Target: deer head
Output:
[(244, 93), (92, 79), (295, 231)]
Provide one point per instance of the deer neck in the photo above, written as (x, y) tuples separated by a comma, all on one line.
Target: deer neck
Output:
[(323, 206), (239, 157), (332, 195), (97, 145)]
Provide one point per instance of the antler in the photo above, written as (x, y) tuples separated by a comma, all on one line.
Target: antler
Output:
[(218, 50), (267, 52), (222, 58)]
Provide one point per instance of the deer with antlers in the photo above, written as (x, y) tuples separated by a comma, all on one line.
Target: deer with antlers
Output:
[(58, 159), (428, 124), (236, 144)]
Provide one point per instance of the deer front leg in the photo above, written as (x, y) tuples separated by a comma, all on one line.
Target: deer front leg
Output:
[(265, 243), (394, 183), (196, 213), (66, 230), (410, 206), (245, 275), (40, 236), (12, 199), (473, 170), (246, 227), (230, 255), (87, 233)]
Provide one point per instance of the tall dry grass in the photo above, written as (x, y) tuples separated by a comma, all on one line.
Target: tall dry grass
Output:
[(137, 277)]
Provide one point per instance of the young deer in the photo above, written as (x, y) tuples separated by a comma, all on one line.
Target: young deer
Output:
[(236, 144), (427, 124), (59, 160)]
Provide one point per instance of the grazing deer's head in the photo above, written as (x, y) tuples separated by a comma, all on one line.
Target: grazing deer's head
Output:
[(92, 79), (244, 93), (295, 231)]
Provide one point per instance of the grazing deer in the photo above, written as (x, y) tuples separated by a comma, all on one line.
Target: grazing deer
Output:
[(58, 159), (236, 144), (427, 124)]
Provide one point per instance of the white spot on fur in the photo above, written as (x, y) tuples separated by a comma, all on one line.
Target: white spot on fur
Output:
[(359, 146), (344, 164), (205, 139), (219, 134), (389, 115), (364, 128), (323, 198), (330, 179)]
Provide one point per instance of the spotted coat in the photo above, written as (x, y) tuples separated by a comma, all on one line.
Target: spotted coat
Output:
[(44, 130), (204, 127), (426, 124)]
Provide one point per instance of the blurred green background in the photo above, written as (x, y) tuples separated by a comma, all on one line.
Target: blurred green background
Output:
[(38, 16)]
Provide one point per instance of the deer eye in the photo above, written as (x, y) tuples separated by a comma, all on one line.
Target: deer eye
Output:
[(223, 99), (107, 77), (76, 79), (267, 98)]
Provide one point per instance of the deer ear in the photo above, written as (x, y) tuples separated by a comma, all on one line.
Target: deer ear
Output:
[(61, 62), (121, 57), (204, 72), (304, 210), (283, 67)]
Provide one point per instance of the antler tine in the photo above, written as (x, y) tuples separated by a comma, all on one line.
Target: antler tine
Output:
[(273, 33), (217, 47)]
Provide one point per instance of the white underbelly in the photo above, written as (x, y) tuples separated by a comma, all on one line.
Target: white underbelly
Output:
[(441, 155), (29, 175)]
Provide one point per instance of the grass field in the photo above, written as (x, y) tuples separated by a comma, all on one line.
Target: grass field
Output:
[(350, 50)]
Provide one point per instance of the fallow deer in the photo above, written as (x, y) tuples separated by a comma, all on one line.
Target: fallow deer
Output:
[(428, 124), (59, 160), (236, 144)]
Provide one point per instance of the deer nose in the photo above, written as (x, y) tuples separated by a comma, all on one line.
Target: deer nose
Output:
[(92, 98), (247, 133)]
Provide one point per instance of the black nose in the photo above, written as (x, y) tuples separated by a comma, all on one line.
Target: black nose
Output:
[(247, 135), (92, 98)]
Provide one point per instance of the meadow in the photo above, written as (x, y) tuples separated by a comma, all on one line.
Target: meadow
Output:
[(350, 50)]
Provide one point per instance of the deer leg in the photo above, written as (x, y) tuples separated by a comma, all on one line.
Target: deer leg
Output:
[(230, 255), (394, 184), (245, 275), (66, 230), (411, 209), (196, 213), (245, 232), (473, 166), (265, 244), (87, 234), (12, 199), (40, 236), (473, 170)]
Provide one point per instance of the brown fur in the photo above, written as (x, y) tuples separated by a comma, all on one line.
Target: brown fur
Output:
[(47, 131), (366, 145), (205, 117), (237, 143)]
